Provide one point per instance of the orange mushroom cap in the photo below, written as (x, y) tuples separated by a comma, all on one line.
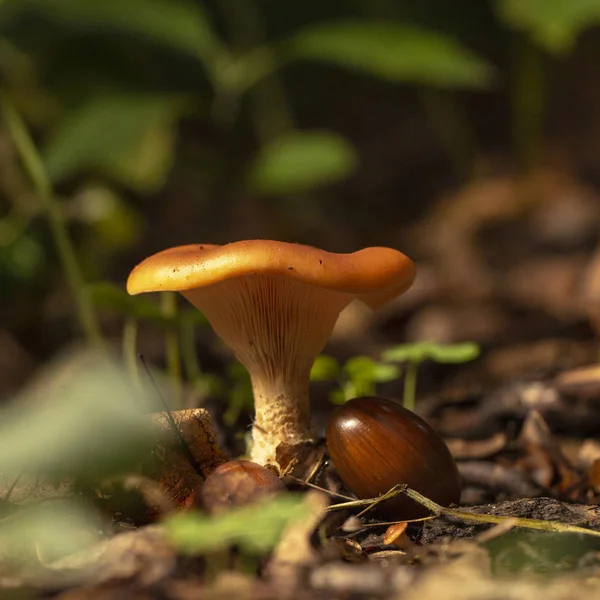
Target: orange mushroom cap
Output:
[(374, 275)]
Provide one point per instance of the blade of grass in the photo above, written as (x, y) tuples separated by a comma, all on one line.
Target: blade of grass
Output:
[(41, 183), (129, 347), (172, 349)]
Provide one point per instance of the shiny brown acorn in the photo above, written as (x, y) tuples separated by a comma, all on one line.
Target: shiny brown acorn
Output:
[(237, 483), (376, 443)]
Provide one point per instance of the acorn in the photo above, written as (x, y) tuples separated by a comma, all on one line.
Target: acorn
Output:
[(237, 483), (375, 443)]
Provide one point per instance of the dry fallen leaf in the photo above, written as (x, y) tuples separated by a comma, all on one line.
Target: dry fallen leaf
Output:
[(396, 535), (171, 465)]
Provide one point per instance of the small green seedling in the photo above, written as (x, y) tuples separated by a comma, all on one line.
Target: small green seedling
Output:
[(414, 354), (357, 377)]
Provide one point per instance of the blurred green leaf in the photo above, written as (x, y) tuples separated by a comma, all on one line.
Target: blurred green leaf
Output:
[(416, 352), (108, 295), (325, 368), (441, 353), (553, 24), (82, 416), (115, 223), (256, 529), (145, 166), (364, 368), (175, 23), (24, 258), (399, 53), (128, 137), (112, 297), (339, 396), (455, 353), (301, 161), (538, 552), (48, 532)]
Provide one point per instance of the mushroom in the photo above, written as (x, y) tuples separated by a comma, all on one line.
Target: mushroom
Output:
[(275, 305)]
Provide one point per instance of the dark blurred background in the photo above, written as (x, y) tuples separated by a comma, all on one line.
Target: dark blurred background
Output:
[(465, 133)]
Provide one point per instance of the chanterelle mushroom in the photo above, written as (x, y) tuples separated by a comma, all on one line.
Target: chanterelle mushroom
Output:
[(275, 305)]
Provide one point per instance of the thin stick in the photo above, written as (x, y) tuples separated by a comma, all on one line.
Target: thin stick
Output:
[(381, 498), (318, 487), (442, 511), (36, 170), (538, 524), (182, 443)]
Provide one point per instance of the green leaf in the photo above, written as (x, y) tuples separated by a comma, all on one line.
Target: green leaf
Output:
[(325, 368), (398, 53), (178, 24), (82, 416), (128, 137), (416, 352), (455, 353), (420, 351), (116, 224), (365, 369), (48, 531), (339, 396), (553, 24), (108, 295), (24, 258), (301, 161), (112, 297), (256, 528)]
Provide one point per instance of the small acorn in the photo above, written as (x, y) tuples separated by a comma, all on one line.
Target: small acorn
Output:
[(376, 443), (237, 483)]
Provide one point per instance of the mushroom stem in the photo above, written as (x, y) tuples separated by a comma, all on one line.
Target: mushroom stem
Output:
[(282, 415), (276, 328)]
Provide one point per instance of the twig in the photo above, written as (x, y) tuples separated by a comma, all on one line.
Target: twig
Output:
[(322, 489), (442, 511), (40, 180), (539, 524)]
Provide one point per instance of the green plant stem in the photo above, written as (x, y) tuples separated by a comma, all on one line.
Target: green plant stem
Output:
[(270, 111), (172, 349), (528, 102), (129, 348), (452, 128), (36, 171), (188, 352), (410, 385)]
